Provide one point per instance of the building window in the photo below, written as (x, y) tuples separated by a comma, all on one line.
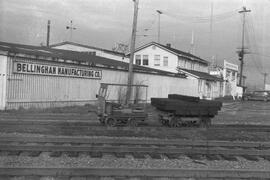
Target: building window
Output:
[(157, 60), (138, 59), (145, 60), (192, 65), (188, 64), (165, 61), (181, 63)]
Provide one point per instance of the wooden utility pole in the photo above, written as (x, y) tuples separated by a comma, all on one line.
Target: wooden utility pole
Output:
[(132, 50), (242, 51), (48, 33), (264, 79), (159, 13)]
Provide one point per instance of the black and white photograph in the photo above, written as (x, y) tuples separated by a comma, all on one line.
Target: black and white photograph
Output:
[(134, 90)]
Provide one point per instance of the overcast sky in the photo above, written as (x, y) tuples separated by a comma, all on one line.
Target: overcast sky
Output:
[(102, 23)]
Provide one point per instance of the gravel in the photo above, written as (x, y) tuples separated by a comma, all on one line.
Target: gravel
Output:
[(109, 161)]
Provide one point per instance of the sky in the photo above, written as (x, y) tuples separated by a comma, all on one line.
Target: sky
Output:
[(103, 23)]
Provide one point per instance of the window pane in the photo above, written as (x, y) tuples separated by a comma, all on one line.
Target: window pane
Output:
[(181, 63), (138, 59), (145, 60), (165, 61), (157, 60)]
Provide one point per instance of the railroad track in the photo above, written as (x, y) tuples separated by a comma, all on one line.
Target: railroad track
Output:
[(138, 148), (125, 173), (95, 124), (88, 128)]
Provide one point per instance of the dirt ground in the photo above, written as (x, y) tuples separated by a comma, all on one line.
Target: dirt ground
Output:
[(244, 112), (232, 112)]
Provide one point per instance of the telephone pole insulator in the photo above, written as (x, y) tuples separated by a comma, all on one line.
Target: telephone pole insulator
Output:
[(71, 28)]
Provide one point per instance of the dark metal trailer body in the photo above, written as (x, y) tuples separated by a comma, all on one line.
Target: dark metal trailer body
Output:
[(179, 110)]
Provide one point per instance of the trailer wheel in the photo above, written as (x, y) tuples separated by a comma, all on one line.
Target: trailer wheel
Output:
[(102, 121), (132, 122), (175, 122), (205, 122), (111, 122), (164, 122)]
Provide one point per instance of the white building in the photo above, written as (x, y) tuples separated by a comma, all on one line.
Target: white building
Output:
[(164, 57), (229, 74), (72, 46)]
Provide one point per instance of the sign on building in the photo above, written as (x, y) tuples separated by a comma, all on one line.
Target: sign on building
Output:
[(230, 79), (54, 70)]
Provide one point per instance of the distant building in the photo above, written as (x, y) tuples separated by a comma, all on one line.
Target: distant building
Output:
[(91, 49), (164, 57), (229, 73)]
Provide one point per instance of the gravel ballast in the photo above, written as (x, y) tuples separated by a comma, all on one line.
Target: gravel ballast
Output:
[(109, 161)]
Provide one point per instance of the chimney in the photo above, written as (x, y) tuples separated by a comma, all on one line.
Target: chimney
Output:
[(168, 45)]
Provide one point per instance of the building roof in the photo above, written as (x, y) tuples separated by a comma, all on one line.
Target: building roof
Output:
[(96, 61), (86, 46), (201, 75), (174, 51)]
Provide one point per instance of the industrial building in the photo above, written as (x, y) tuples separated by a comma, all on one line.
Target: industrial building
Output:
[(40, 77), (162, 57)]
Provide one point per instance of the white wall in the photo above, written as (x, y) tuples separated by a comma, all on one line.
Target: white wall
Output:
[(161, 86), (172, 59), (267, 87), (3, 80), (98, 52), (42, 91)]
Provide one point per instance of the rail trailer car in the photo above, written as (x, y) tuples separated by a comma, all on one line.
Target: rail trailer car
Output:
[(174, 111), (178, 110)]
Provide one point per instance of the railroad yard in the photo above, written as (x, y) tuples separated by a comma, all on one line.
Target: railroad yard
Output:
[(134, 90), (71, 144)]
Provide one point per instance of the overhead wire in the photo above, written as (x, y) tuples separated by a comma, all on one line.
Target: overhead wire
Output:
[(254, 48), (201, 19)]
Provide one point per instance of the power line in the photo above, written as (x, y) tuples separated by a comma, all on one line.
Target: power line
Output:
[(259, 54), (200, 19), (251, 34)]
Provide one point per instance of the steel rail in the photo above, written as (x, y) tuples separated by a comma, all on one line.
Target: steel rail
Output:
[(129, 149), (130, 141), (150, 126), (126, 172)]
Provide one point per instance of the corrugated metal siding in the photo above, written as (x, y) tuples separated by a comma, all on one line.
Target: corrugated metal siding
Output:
[(42, 91)]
